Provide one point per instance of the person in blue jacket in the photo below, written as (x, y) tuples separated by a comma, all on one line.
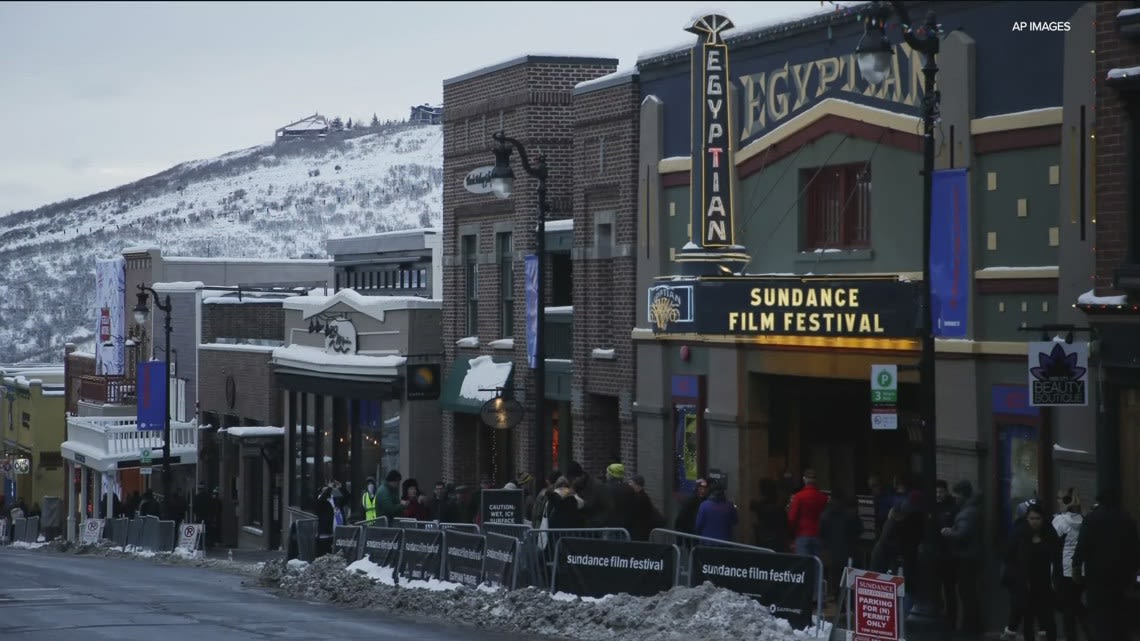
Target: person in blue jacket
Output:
[(717, 516)]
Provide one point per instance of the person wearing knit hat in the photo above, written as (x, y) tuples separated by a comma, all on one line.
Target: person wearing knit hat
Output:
[(615, 471)]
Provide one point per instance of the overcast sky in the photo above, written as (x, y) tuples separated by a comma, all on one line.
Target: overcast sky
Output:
[(94, 95)]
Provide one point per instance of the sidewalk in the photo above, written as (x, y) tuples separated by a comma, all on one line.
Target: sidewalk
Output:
[(244, 555)]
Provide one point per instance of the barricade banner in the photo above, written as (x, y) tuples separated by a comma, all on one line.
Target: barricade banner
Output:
[(595, 568), (463, 557), (382, 545), (92, 531), (500, 560), (346, 542), (502, 506), (785, 583), (189, 536), (420, 557)]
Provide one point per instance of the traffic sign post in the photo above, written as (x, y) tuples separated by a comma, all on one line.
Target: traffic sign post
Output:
[(884, 397), (144, 456)]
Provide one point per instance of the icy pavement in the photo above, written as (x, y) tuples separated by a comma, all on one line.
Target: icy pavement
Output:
[(705, 612)]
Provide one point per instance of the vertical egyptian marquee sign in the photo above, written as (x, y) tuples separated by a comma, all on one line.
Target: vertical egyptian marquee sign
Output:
[(713, 229)]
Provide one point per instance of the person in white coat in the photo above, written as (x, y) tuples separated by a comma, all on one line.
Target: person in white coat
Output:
[(1067, 523)]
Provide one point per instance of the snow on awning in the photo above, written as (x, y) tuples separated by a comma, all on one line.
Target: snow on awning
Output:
[(316, 359), (251, 432), (1090, 298), (484, 377)]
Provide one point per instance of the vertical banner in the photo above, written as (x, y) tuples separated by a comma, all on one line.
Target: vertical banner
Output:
[(685, 447), (950, 253), (152, 395), (110, 320), (532, 310)]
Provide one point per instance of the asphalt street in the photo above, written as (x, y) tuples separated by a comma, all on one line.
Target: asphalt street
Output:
[(48, 597)]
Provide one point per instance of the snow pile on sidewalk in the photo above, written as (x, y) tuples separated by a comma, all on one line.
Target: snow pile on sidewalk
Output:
[(705, 612)]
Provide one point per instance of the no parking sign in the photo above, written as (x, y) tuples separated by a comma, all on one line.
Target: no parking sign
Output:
[(189, 535), (92, 531)]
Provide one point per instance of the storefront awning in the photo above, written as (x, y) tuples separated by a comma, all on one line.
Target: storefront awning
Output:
[(473, 381)]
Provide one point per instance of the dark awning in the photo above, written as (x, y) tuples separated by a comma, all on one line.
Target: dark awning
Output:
[(472, 381)]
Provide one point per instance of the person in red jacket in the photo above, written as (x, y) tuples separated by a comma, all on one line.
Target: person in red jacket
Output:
[(804, 515)]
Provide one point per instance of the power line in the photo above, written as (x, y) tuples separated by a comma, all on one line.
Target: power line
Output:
[(759, 205), (855, 189)]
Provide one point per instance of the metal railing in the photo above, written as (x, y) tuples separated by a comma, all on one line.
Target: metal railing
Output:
[(114, 390), (121, 436), (506, 529)]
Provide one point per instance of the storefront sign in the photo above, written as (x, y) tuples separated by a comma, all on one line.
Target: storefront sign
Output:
[(712, 136), (785, 583), (346, 542), (420, 555), (499, 561), (750, 307), (950, 253), (382, 545), (595, 568), (502, 506), (151, 395), (463, 557), (1058, 374), (478, 181)]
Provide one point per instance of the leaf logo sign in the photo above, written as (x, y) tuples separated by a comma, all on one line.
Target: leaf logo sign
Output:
[(1058, 379)]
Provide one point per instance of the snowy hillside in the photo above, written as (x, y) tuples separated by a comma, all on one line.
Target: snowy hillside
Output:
[(279, 200)]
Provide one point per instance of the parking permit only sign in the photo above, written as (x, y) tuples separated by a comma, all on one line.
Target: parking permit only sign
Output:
[(876, 609)]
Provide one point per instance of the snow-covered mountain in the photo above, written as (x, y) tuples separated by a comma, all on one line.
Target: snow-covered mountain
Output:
[(276, 200)]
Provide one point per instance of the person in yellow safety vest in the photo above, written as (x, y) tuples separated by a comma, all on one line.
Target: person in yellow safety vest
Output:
[(368, 500)]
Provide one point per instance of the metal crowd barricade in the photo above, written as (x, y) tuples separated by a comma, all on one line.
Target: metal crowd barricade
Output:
[(507, 529), (19, 530), (306, 539), (538, 549), (166, 537), (686, 542), (119, 532), (380, 521), (33, 533), (413, 524), (469, 528)]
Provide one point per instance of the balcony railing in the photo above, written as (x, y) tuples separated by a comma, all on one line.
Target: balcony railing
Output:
[(108, 390), (560, 334), (118, 436)]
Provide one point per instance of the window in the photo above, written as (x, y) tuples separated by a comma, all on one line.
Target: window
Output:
[(561, 281), (604, 241), (471, 284), (505, 250), (26, 420), (838, 207)]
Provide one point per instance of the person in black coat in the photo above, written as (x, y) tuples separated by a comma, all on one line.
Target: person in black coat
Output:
[(1106, 561), (687, 517), (1033, 562), (945, 509), (769, 519), (564, 507), (644, 517), (326, 517), (840, 528)]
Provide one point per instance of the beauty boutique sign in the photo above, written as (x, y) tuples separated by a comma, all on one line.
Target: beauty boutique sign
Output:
[(786, 307)]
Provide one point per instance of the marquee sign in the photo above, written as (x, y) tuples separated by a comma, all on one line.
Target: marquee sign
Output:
[(786, 307), (711, 191)]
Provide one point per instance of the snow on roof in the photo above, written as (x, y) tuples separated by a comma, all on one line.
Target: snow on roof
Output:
[(563, 224), (1090, 298), (1126, 13), (564, 309), (388, 234), (373, 306), (301, 354), (141, 249), (751, 28), (1018, 269), (179, 286), (257, 261), (245, 298), (484, 376), (618, 77), (237, 347), (312, 123), (522, 59), (1123, 72), (245, 432)]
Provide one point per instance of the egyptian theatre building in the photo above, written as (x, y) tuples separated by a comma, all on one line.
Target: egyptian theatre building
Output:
[(779, 255)]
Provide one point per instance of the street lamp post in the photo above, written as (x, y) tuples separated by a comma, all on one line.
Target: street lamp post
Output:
[(874, 56), (142, 313), (502, 182)]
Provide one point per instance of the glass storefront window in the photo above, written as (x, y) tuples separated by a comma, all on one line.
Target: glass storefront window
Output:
[(390, 437), (371, 452)]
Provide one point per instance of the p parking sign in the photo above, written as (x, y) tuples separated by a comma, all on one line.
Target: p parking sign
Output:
[(884, 397)]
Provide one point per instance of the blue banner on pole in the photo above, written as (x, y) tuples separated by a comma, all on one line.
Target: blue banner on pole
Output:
[(152, 395), (532, 310), (950, 253)]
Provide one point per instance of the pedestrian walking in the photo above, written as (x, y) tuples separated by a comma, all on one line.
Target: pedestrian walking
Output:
[(686, 520), (391, 504), (1035, 563), (368, 501), (770, 520), (804, 514), (965, 538), (326, 520), (644, 516), (1067, 524), (1106, 560), (717, 517), (839, 529), (945, 510)]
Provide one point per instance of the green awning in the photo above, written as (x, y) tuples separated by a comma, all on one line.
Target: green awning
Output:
[(471, 380)]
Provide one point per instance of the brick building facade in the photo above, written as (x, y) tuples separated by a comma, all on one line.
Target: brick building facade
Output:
[(1113, 308), (531, 98)]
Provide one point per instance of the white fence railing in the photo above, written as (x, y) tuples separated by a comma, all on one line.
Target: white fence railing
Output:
[(121, 436)]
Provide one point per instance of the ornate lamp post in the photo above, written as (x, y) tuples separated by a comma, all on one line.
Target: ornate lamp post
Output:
[(502, 182), (874, 56)]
